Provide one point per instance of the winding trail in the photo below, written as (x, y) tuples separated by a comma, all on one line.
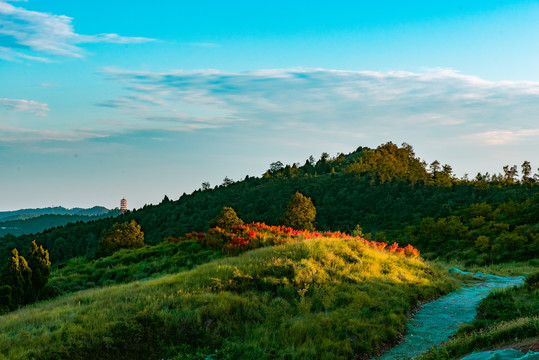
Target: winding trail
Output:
[(436, 321)]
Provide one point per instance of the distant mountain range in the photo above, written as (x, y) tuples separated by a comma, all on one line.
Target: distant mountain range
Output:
[(57, 210), (27, 221)]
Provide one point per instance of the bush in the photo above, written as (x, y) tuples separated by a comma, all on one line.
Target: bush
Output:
[(226, 219), (127, 235)]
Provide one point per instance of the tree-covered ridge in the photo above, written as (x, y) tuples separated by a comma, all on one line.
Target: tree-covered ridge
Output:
[(390, 162), (381, 190)]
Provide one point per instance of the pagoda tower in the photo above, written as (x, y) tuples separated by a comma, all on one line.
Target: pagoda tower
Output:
[(123, 204)]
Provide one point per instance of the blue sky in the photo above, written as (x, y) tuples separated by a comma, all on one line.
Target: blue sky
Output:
[(103, 100)]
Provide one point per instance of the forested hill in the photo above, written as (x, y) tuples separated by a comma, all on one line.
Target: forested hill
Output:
[(383, 189)]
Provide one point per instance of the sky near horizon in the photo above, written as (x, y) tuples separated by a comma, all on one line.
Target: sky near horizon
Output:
[(103, 100)]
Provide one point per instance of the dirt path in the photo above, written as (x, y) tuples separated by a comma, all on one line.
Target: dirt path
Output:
[(436, 321)]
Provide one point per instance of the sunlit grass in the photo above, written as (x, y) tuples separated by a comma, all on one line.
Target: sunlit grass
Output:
[(323, 298)]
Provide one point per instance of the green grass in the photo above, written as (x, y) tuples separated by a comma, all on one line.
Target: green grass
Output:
[(317, 299), (128, 265), (503, 317)]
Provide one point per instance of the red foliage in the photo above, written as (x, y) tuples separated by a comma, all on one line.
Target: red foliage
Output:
[(256, 234), (410, 251), (392, 247)]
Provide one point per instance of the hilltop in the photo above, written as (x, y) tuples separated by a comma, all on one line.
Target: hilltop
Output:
[(378, 192)]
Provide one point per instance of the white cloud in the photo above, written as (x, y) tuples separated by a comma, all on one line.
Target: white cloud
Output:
[(438, 102), (32, 107), (23, 31), (503, 137)]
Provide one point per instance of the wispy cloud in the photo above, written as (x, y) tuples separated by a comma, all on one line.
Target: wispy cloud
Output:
[(32, 107), (24, 33), (415, 104), (9, 134)]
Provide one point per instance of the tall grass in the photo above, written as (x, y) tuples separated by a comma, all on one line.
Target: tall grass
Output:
[(323, 298)]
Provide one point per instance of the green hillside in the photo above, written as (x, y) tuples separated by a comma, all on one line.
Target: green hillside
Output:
[(320, 298), (128, 265)]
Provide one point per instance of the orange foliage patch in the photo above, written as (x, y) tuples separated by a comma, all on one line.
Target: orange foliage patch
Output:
[(256, 234)]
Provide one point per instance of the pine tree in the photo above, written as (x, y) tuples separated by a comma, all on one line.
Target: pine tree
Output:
[(299, 213), (27, 286), (38, 261), (13, 277)]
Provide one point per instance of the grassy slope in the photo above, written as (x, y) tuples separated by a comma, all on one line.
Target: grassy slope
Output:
[(128, 265), (322, 298)]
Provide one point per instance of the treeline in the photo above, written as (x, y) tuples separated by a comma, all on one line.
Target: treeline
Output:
[(380, 190), (22, 281), (480, 234)]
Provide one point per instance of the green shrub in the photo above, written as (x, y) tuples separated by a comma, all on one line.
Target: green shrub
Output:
[(127, 235)]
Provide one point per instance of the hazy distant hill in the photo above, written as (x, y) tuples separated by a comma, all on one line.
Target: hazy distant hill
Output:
[(28, 221), (57, 210)]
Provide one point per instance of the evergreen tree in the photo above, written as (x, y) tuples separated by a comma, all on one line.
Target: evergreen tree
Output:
[(27, 286), (12, 276), (299, 213), (38, 261), (226, 219), (526, 172)]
